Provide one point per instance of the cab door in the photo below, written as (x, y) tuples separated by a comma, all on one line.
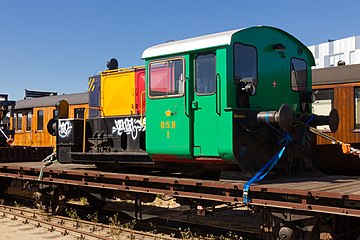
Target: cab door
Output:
[(168, 112), (205, 105)]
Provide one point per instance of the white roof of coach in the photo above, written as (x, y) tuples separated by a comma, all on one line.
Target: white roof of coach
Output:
[(190, 44)]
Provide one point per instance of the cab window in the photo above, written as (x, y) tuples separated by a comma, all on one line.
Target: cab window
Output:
[(245, 61), (205, 74), (79, 112), (298, 74), (166, 78)]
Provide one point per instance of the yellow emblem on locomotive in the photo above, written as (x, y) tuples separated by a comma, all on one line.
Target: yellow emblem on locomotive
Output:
[(168, 113)]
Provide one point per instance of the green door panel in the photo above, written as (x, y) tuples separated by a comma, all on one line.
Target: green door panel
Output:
[(168, 130)]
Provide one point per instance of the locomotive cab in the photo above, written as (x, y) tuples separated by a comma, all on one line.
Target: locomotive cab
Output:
[(210, 98)]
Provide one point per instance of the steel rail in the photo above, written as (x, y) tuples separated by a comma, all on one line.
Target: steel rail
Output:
[(66, 225)]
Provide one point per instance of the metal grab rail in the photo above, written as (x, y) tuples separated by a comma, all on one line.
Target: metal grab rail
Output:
[(218, 94), (141, 108)]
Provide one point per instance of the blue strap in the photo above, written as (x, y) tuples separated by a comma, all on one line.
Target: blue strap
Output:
[(310, 119), (265, 169)]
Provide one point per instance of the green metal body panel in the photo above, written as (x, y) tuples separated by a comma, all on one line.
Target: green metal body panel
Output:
[(273, 68), (202, 126), (169, 131)]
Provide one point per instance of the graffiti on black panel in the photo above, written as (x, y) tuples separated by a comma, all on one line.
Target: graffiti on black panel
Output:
[(64, 129), (130, 126)]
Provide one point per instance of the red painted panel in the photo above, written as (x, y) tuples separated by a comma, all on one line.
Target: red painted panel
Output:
[(140, 90)]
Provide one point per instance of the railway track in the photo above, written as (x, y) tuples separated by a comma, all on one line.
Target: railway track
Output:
[(308, 205), (72, 226), (182, 222)]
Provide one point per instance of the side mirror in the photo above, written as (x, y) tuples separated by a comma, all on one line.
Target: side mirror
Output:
[(250, 88)]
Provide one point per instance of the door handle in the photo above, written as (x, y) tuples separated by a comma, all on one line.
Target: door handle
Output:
[(186, 110), (195, 105)]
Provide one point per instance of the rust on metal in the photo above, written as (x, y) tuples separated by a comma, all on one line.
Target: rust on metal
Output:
[(322, 194)]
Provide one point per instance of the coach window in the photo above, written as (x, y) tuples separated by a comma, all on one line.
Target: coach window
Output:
[(28, 121), (18, 121), (55, 113), (298, 74), (166, 78), (40, 120), (79, 112), (245, 64), (205, 74), (357, 108), (323, 104)]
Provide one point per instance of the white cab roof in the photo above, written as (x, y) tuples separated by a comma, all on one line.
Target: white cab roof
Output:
[(190, 44)]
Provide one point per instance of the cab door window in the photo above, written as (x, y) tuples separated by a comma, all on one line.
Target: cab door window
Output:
[(205, 74), (166, 78)]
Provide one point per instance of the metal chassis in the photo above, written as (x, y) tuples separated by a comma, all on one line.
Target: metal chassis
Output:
[(329, 194)]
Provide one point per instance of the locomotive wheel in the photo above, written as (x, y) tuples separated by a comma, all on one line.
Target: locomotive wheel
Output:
[(286, 233)]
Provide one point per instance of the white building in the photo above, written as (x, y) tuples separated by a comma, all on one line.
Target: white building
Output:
[(330, 53)]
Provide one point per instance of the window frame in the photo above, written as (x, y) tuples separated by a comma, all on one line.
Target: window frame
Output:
[(256, 61), (325, 127), (28, 126), (163, 60), (356, 125), (37, 120), (195, 74), (80, 109), (55, 113), (306, 74), (17, 129)]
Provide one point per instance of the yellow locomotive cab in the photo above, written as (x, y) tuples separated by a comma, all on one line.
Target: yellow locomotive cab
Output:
[(119, 88)]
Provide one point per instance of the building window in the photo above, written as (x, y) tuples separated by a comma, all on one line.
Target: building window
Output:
[(18, 121), (316, 51), (79, 112), (28, 121), (205, 74), (298, 74), (166, 78), (334, 59), (357, 107), (352, 57), (40, 120), (323, 104), (245, 64)]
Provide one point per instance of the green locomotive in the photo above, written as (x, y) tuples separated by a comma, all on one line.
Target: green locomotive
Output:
[(222, 101)]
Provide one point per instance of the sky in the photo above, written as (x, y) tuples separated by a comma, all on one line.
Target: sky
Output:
[(55, 45)]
